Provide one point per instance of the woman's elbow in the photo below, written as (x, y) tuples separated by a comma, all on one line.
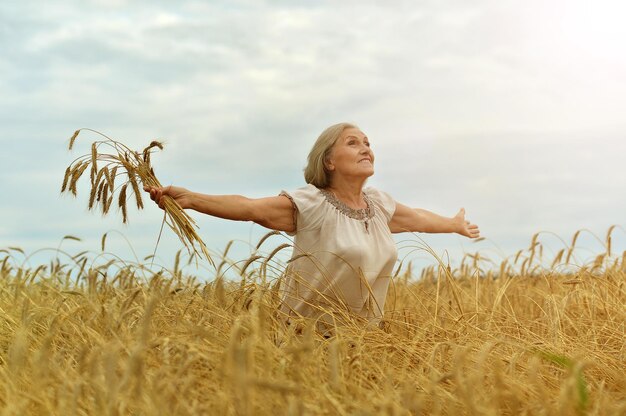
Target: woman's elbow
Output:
[(269, 215)]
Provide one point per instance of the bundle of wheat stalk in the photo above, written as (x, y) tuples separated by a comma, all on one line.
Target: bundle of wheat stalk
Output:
[(136, 167)]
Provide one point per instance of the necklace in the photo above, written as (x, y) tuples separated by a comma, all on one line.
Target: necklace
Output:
[(361, 214)]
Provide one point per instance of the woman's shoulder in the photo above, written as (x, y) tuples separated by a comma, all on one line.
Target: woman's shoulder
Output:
[(307, 191), (382, 199), (308, 203), (305, 197), (309, 188), (373, 192)]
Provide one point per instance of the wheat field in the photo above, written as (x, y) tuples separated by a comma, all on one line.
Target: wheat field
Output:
[(81, 338)]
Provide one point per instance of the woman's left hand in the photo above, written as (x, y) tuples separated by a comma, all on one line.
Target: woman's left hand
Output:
[(464, 227)]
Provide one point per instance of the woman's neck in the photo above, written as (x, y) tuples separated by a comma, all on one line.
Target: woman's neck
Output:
[(349, 192)]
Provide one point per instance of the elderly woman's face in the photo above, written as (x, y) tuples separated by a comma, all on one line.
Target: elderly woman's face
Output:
[(351, 155)]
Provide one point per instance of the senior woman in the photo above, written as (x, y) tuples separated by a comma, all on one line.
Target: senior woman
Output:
[(343, 250)]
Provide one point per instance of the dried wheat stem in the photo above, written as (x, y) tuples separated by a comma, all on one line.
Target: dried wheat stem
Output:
[(68, 172), (137, 168), (76, 174), (100, 189), (92, 197), (105, 191), (73, 138), (136, 191)]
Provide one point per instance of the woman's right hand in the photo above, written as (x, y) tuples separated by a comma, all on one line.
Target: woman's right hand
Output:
[(181, 195)]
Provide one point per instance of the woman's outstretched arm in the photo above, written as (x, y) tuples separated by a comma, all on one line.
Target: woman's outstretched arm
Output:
[(276, 213), (406, 219)]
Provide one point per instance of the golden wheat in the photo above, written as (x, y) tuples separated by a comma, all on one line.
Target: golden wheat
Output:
[(136, 167), (103, 340)]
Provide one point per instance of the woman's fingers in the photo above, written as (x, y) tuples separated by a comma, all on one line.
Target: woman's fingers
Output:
[(156, 194), (151, 190), (469, 229)]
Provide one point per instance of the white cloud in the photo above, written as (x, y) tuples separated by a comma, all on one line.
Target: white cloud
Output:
[(498, 106)]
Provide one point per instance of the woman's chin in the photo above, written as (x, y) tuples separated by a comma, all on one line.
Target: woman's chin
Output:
[(369, 173)]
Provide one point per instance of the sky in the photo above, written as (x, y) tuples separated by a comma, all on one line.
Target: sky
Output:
[(513, 110)]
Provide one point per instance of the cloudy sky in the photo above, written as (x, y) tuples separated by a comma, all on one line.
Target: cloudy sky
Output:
[(513, 110)]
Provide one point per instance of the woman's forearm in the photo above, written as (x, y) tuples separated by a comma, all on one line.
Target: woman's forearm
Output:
[(434, 223), (275, 212), (230, 207)]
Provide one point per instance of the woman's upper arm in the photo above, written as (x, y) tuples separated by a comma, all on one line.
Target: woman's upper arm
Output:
[(275, 212), (404, 219)]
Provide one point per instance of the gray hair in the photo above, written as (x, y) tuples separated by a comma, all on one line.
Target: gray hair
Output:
[(315, 172)]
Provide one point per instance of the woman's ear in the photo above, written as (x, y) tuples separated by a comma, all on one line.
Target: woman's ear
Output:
[(328, 164)]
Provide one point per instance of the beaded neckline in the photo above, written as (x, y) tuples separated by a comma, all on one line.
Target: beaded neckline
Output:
[(362, 214)]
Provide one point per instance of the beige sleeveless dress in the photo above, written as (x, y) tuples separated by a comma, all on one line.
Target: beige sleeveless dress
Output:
[(343, 258)]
